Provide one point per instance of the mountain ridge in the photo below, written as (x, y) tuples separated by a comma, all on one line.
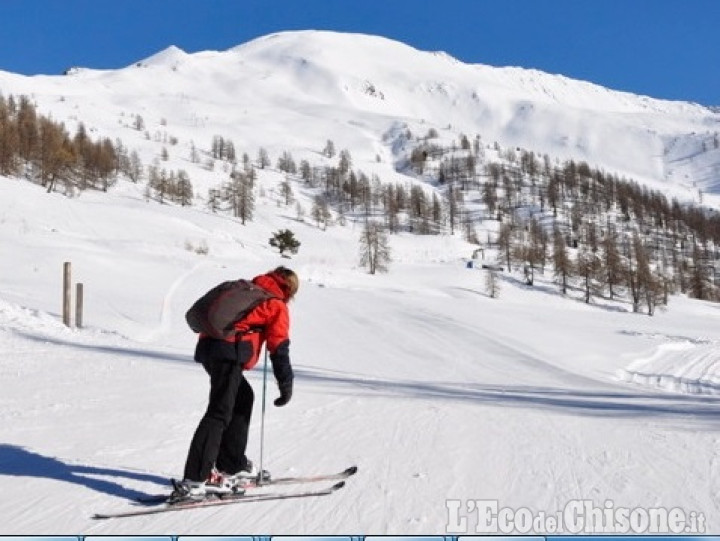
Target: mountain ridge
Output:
[(173, 53), (294, 90)]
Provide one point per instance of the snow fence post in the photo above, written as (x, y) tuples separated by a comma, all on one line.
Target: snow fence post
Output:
[(67, 269), (79, 293)]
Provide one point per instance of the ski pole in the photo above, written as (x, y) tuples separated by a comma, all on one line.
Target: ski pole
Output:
[(262, 419)]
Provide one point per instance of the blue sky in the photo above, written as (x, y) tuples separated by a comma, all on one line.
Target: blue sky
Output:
[(662, 48)]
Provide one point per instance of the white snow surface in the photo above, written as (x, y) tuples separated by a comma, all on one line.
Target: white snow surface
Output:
[(435, 390), (432, 388)]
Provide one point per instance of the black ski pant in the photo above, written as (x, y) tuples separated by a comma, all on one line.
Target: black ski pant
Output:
[(221, 437)]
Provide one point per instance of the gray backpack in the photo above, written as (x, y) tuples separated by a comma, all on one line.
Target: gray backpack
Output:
[(216, 312)]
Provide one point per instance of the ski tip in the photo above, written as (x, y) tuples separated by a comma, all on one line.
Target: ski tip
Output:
[(352, 470), (338, 486)]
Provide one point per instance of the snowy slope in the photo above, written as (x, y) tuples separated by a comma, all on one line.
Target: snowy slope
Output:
[(293, 91), (432, 388)]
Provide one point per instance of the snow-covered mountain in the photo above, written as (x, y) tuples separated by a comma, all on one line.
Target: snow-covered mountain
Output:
[(438, 392), (294, 90)]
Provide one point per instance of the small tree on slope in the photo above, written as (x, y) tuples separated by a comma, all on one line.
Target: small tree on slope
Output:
[(284, 240)]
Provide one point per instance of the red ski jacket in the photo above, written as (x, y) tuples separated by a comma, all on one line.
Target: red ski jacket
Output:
[(268, 322)]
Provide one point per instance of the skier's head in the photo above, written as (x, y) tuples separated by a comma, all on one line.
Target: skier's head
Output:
[(288, 281)]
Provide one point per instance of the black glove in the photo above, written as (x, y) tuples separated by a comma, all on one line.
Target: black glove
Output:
[(282, 369), (286, 390)]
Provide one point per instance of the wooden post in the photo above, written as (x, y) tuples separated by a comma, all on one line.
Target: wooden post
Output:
[(67, 294), (79, 306)]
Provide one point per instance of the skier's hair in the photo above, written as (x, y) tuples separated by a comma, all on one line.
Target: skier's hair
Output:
[(290, 278)]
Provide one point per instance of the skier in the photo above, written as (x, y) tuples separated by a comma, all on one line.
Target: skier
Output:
[(216, 462)]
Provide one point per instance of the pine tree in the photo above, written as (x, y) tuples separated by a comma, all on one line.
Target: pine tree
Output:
[(284, 240), (345, 162), (532, 251), (55, 155), (230, 154), (305, 170), (329, 150), (489, 196), (505, 244), (218, 147), (239, 193), (135, 167), (639, 275), (374, 248), (184, 189), (561, 260), (320, 211), (612, 261), (587, 267), (286, 163), (286, 192), (419, 211), (158, 183), (392, 208), (452, 205), (700, 284), (9, 141), (263, 158)]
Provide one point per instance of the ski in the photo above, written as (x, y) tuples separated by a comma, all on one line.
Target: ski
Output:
[(252, 484), (225, 500)]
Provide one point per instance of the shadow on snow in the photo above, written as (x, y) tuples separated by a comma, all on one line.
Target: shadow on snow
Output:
[(600, 403), (603, 402), (17, 461)]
